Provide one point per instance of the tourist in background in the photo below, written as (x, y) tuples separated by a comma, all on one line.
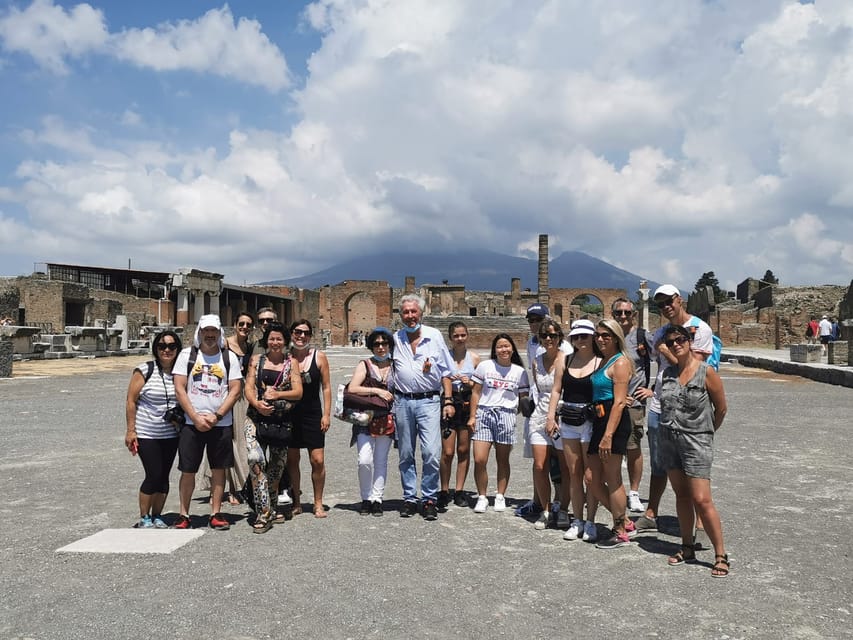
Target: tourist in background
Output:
[(499, 384), (456, 439), (150, 432)]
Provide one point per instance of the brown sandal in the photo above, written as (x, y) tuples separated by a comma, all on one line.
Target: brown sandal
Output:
[(687, 555), (721, 566)]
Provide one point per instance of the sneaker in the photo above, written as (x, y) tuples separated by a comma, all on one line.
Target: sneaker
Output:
[(159, 524), (144, 523), (644, 523), (482, 504), (575, 531), (590, 531), (500, 502), (365, 508), (430, 511), (460, 499), (564, 520), (443, 500), (409, 508), (630, 528), (542, 523), (634, 504), (614, 541), (376, 509), (284, 498), (529, 508), (183, 522), (218, 522)]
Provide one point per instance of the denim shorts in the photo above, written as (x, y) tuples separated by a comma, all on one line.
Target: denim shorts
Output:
[(691, 453)]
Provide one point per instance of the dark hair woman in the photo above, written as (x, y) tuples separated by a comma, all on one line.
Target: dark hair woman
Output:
[(150, 433), (272, 377), (693, 406)]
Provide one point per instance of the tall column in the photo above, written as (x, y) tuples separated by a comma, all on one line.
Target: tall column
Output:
[(544, 295), (644, 304), (198, 305), (182, 317)]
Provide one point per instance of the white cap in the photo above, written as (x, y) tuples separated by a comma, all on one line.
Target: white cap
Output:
[(666, 290), (582, 327), (209, 320)]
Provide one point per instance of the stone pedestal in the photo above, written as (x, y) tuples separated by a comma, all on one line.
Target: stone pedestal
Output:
[(805, 352), (87, 339), (5, 358), (20, 337), (838, 353)]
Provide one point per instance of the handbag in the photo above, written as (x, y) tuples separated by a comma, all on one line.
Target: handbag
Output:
[(575, 415), (274, 434), (373, 403), (381, 425), (276, 429)]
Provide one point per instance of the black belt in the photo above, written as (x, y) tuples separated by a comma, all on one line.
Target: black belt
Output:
[(418, 396)]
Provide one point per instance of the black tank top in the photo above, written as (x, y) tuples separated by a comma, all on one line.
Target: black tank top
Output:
[(576, 390)]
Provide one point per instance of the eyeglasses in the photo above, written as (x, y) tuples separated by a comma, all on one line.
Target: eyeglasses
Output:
[(246, 324), (535, 318), (603, 336), (167, 346), (674, 341), (301, 332), (265, 320), (665, 302), (623, 312), (380, 343), (549, 336), (580, 336)]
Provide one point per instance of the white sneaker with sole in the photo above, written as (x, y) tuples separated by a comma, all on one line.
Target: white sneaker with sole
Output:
[(500, 502), (634, 504), (575, 530), (482, 504), (284, 498), (590, 532), (542, 523)]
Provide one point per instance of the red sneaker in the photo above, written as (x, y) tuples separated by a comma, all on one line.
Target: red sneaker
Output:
[(218, 522), (183, 522)]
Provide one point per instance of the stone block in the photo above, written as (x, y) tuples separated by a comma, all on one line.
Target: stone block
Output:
[(805, 352), (20, 337), (6, 352), (838, 353)]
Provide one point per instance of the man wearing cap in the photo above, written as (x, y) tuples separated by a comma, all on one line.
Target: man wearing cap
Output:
[(422, 369), (825, 330), (668, 299), (206, 387)]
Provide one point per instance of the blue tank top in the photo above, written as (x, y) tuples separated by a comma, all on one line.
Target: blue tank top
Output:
[(602, 386)]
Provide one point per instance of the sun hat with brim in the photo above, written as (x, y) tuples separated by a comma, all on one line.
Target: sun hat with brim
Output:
[(582, 327)]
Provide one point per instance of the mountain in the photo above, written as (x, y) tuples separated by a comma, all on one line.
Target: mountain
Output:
[(477, 269)]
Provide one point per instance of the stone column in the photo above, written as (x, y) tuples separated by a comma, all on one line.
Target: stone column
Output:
[(644, 304), (214, 304), (121, 323), (198, 305), (544, 295), (183, 312)]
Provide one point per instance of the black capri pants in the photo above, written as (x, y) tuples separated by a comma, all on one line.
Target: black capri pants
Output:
[(157, 456)]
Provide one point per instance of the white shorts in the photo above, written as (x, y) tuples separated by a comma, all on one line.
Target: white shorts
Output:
[(582, 432), (538, 434)]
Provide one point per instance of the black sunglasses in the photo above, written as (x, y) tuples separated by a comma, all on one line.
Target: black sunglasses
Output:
[(665, 302), (265, 320), (623, 312), (674, 341), (552, 336), (167, 346)]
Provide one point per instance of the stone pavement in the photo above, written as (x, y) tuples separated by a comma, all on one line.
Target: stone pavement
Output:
[(781, 482), (779, 361)]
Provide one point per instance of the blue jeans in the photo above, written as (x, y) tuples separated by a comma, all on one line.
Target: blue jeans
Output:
[(419, 420), (653, 434)]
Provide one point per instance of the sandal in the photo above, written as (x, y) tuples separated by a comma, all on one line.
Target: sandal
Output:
[(687, 555), (721, 566), (279, 518), (261, 525)]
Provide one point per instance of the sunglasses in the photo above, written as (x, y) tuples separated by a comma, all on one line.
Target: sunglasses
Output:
[(381, 343), (623, 312), (265, 320), (665, 302), (167, 346), (246, 324), (674, 341), (604, 336), (580, 336), (549, 336), (301, 332)]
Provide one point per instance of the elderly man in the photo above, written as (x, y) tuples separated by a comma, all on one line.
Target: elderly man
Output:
[(422, 368), (206, 386)]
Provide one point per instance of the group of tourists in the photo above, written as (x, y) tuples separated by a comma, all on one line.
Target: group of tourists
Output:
[(254, 406)]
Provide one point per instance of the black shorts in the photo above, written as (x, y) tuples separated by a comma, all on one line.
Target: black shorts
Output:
[(825, 339), (619, 442), (217, 441)]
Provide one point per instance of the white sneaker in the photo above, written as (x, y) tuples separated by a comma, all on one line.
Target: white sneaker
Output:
[(590, 531), (563, 520), (575, 530), (634, 504), (284, 498), (542, 523), (500, 502), (482, 504)]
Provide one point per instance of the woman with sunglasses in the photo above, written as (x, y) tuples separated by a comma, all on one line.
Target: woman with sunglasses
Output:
[(573, 385), (611, 429), (373, 449), (693, 406), (311, 417), (150, 396), (271, 377)]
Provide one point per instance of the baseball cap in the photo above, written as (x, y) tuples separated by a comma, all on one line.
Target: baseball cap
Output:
[(209, 320), (666, 290), (537, 309), (580, 327)]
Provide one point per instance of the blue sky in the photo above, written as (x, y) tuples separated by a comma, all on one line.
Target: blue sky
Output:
[(267, 140)]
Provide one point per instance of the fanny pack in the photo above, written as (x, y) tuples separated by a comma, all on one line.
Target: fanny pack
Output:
[(575, 415)]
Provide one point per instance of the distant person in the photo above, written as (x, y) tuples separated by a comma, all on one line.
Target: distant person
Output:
[(836, 330), (812, 330), (423, 371), (825, 331), (353, 338), (207, 395)]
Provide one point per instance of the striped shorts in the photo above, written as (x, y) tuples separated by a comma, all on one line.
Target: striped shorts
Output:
[(495, 424)]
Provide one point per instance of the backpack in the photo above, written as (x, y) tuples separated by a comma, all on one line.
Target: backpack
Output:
[(190, 364), (717, 347), (809, 331)]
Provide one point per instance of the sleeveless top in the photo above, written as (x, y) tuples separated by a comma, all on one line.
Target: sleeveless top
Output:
[(602, 386), (155, 397), (686, 407), (544, 382), (466, 369), (268, 378), (576, 390), (309, 409)]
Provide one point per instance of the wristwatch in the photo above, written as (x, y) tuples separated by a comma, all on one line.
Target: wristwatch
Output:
[(218, 417)]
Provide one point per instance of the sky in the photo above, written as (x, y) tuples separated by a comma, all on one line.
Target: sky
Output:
[(266, 140)]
